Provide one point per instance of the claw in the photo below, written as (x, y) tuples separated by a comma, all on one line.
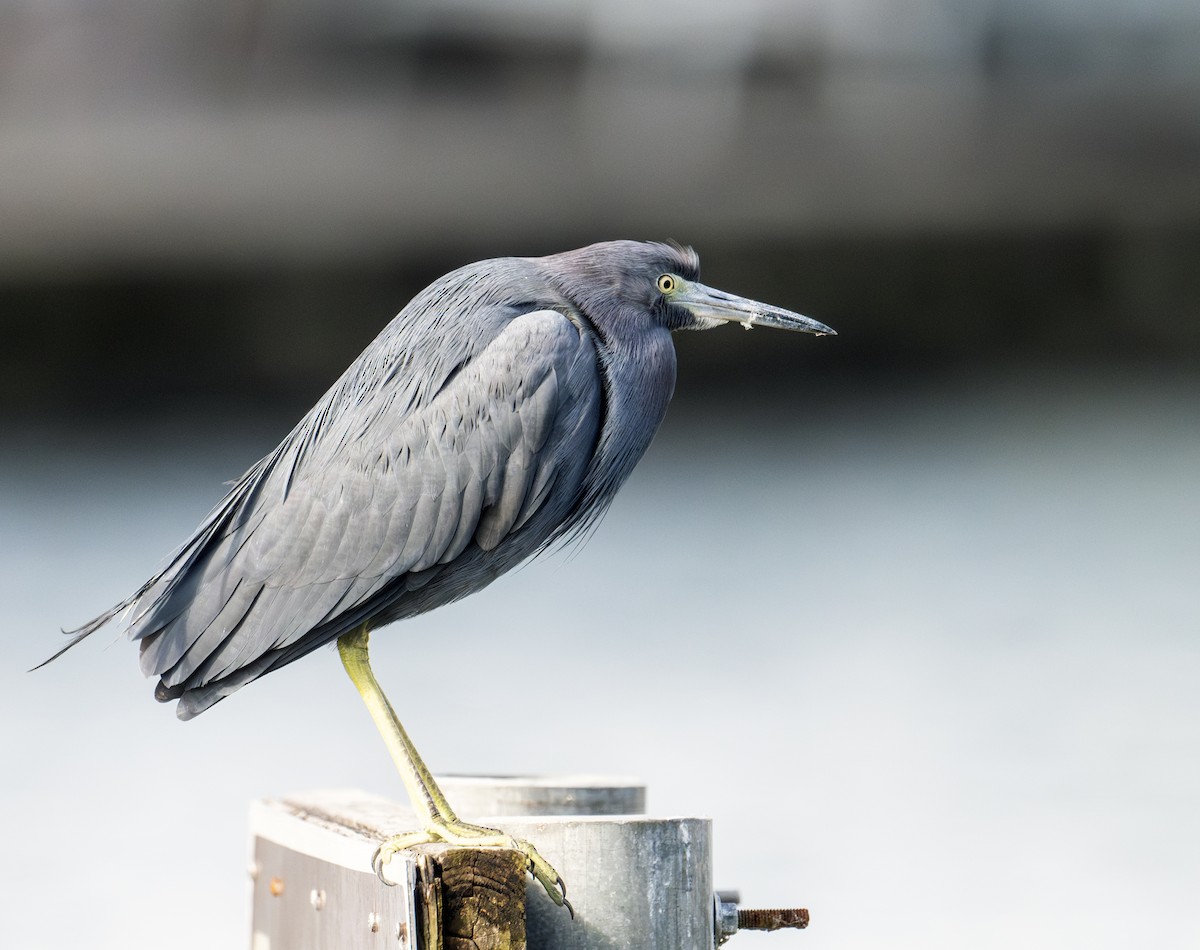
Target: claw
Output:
[(378, 860), (561, 900)]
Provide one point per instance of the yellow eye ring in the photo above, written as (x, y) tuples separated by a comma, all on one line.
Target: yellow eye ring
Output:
[(667, 284)]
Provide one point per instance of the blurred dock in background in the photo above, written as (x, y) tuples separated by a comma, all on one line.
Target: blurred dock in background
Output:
[(960, 183)]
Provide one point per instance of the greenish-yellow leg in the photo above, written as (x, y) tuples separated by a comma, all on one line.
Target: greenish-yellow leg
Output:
[(437, 817)]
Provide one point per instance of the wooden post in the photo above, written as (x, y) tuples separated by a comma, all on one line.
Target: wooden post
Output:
[(313, 888), (480, 896)]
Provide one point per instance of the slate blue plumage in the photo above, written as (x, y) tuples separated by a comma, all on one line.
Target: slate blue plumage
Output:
[(498, 412)]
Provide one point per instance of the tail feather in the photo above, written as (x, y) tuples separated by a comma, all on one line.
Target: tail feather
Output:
[(162, 598), (82, 633)]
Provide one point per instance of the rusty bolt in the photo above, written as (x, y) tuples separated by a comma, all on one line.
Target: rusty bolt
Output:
[(774, 919)]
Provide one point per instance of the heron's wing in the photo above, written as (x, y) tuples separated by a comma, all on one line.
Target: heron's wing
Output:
[(326, 534)]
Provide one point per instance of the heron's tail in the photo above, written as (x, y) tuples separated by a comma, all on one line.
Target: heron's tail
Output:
[(157, 591), (82, 633)]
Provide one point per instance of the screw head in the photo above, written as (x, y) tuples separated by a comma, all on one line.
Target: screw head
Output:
[(725, 918)]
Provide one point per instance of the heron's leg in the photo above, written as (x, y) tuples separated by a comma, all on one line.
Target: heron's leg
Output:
[(437, 817), (427, 799)]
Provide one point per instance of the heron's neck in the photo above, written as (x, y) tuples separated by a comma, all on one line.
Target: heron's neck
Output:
[(639, 369)]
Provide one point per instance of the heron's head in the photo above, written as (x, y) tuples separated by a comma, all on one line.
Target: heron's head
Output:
[(663, 281)]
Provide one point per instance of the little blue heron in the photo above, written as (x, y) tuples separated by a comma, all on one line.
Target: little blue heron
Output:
[(499, 412)]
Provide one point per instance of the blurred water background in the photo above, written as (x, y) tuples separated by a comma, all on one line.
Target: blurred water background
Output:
[(910, 612)]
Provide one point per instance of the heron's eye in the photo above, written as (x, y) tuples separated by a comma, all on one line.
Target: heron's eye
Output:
[(667, 284)]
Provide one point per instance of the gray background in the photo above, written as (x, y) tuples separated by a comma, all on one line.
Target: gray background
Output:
[(909, 612)]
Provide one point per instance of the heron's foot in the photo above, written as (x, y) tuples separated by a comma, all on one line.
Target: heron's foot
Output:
[(476, 836)]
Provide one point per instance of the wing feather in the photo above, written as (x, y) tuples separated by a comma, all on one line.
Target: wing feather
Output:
[(336, 537)]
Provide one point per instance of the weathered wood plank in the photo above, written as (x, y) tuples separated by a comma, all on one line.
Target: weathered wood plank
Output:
[(481, 897)]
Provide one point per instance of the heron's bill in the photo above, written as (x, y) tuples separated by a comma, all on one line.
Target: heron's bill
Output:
[(713, 304)]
